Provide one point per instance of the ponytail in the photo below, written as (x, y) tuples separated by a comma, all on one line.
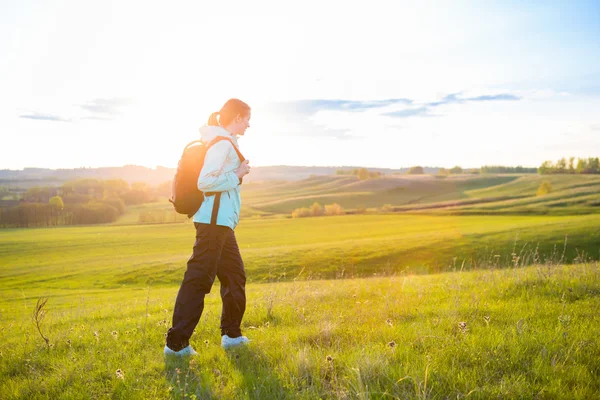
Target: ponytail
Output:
[(232, 109), (212, 120)]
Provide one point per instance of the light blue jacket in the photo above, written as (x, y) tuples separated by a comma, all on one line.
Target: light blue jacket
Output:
[(218, 175)]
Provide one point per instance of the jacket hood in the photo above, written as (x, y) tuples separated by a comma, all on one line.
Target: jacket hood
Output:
[(209, 132)]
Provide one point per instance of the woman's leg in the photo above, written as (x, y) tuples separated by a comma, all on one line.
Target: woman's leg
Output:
[(197, 282), (232, 276)]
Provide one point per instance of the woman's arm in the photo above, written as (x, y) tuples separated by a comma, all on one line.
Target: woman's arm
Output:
[(212, 178)]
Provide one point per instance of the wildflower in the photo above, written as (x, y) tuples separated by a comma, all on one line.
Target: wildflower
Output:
[(69, 342), (178, 371), (50, 345), (96, 334), (389, 322), (267, 324), (115, 333), (206, 342), (463, 327), (486, 318), (329, 358), (120, 374), (392, 344)]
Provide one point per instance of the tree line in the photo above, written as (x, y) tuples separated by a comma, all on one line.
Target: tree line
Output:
[(589, 165), (83, 201)]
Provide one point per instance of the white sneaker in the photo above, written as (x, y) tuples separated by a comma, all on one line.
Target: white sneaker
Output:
[(228, 343), (186, 351)]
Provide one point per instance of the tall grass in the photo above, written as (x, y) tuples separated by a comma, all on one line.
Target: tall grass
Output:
[(497, 333)]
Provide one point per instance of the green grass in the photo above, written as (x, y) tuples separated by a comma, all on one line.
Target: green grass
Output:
[(510, 333), (113, 256), (390, 329)]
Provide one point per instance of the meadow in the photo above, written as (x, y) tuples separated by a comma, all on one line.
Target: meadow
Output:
[(425, 302)]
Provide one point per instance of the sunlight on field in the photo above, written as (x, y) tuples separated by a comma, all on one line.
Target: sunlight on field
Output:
[(490, 333)]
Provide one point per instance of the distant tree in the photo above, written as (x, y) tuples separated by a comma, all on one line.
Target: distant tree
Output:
[(594, 165), (140, 193), (301, 212), (581, 166), (115, 202), (571, 165), (316, 210), (561, 166), (115, 187), (333, 209), (544, 189), (416, 170), (164, 189), (363, 174), (57, 201), (443, 172), (456, 170), (547, 167)]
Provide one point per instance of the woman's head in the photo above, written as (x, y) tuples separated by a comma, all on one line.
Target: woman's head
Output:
[(234, 116)]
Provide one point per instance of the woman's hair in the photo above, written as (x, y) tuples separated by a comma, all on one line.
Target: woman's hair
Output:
[(231, 109)]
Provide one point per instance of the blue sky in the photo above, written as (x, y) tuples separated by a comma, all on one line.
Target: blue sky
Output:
[(378, 83)]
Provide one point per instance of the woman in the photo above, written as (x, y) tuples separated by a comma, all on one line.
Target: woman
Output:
[(216, 252)]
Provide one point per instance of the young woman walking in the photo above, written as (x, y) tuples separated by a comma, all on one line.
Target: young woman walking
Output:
[(216, 252)]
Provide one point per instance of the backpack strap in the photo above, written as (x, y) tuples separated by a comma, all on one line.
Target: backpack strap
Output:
[(220, 138), (215, 210), (217, 203)]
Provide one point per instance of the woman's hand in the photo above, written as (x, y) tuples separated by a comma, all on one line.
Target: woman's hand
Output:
[(243, 169)]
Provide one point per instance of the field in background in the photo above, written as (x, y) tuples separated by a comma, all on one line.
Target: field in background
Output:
[(481, 194), (113, 256)]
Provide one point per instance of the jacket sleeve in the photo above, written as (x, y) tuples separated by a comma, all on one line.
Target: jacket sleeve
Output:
[(212, 177)]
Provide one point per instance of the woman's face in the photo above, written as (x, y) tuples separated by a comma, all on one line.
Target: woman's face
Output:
[(240, 124)]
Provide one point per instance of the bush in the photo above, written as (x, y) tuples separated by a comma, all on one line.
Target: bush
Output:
[(301, 212), (416, 171), (92, 213), (333, 209), (57, 202), (544, 189), (316, 210)]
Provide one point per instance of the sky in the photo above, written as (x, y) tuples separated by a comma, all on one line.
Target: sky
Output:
[(387, 84)]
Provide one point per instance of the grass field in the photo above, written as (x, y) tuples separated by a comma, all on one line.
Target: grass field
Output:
[(283, 249), (462, 194), (400, 305), (497, 333)]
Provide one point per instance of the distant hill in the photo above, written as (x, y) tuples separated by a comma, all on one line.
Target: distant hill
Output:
[(456, 194)]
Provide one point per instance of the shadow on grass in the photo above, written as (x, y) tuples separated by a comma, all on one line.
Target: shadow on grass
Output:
[(187, 377), (259, 378), (184, 379)]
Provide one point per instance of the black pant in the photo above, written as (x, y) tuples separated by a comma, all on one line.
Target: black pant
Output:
[(216, 253)]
